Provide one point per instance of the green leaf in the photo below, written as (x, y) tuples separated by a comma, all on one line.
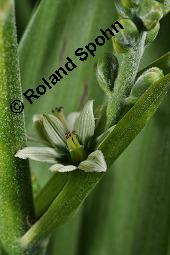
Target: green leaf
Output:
[(49, 192), (80, 184), (15, 187), (163, 63), (23, 13), (95, 235)]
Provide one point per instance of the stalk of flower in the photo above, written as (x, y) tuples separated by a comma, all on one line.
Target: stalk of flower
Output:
[(68, 142)]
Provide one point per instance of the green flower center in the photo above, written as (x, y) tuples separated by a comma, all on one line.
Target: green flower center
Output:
[(77, 152)]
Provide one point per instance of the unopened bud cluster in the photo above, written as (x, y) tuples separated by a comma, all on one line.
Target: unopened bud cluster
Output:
[(138, 16), (148, 12), (116, 74)]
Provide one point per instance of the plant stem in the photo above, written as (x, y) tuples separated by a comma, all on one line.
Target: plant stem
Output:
[(128, 69), (16, 203), (49, 193)]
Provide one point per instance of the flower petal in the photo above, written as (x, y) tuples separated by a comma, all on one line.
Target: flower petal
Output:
[(43, 154), (38, 125), (57, 125), (71, 119), (62, 168), (54, 130), (94, 163), (36, 139), (85, 123)]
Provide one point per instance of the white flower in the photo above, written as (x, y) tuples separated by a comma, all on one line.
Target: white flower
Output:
[(68, 141)]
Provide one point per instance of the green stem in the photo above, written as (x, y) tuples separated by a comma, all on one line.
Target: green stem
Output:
[(128, 69), (49, 193), (16, 204)]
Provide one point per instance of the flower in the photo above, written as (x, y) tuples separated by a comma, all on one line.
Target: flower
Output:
[(67, 141)]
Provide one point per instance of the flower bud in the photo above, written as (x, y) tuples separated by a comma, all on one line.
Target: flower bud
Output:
[(165, 5), (126, 38), (152, 34), (144, 82), (127, 8), (107, 68), (150, 12), (129, 3)]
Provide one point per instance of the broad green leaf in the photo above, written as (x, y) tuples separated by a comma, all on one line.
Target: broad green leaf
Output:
[(66, 237), (80, 184), (23, 13), (163, 63), (15, 187), (49, 192), (95, 238)]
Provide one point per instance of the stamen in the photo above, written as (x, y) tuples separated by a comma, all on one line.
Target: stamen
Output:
[(68, 134)]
